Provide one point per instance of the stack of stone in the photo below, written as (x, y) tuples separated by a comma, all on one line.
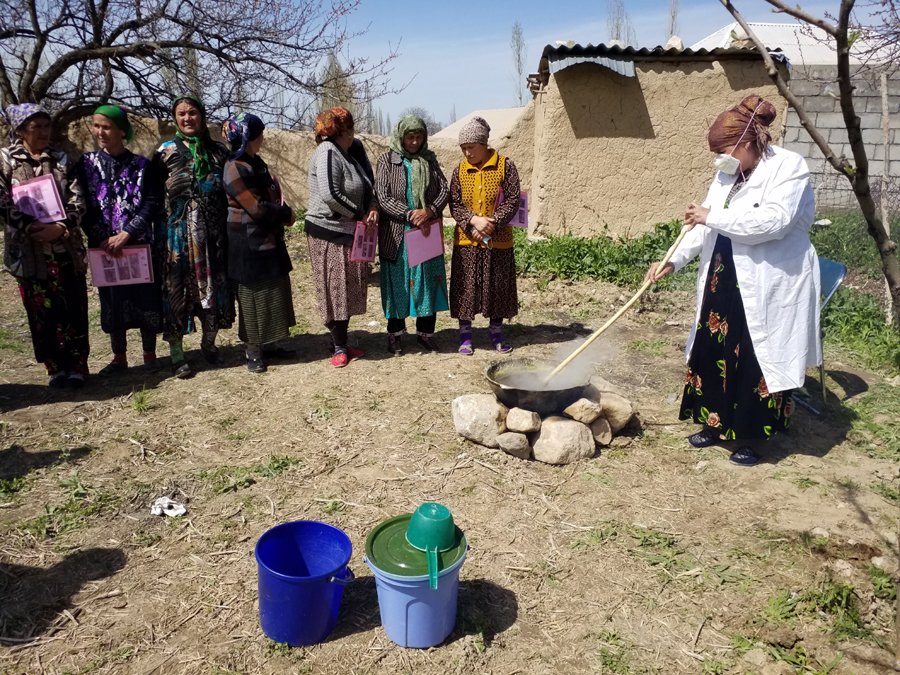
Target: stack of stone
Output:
[(589, 423)]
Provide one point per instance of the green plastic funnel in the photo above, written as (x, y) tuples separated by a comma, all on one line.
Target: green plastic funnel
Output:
[(431, 529)]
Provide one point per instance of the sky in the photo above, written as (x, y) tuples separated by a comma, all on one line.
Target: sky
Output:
[(456, 54)]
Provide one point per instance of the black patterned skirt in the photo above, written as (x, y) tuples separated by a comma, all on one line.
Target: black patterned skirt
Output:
[(483, 281), (724, 387)]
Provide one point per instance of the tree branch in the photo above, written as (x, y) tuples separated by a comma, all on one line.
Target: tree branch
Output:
[(841, 165), (798, 13)]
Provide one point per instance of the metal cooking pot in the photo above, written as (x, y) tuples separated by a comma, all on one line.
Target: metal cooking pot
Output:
[(544, 402)]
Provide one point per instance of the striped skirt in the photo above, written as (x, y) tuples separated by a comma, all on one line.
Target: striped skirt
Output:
[(340, 283), (266, 311)]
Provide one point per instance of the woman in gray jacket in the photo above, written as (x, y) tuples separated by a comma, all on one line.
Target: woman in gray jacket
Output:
[(340, 194)]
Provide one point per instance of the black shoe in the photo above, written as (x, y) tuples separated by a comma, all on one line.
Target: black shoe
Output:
[(75, 380), (112, 368), (182, 370), (211, 355), (280, 353), (427, 343), (256, 365), (395, 344), (704, 438), (57, 381)]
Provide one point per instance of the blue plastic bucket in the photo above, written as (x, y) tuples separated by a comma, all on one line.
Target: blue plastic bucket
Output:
[(302, 568), (414, 615)]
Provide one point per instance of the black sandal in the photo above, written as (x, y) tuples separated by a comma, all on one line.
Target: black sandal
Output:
[(704, 438), (182, 370), (744, 456)]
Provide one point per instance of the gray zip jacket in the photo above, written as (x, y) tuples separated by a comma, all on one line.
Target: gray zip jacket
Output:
[(339, 193)]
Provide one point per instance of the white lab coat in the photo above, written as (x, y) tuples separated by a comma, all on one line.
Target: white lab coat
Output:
[(777, 269)]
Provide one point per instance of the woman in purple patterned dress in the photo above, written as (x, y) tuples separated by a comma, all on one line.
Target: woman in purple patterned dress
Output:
[(121, 206)]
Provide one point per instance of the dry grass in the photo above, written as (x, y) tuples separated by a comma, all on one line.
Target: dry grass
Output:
[(650, 558)]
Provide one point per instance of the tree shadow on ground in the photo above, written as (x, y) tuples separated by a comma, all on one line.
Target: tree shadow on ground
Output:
[(31, 598), (16, 461)]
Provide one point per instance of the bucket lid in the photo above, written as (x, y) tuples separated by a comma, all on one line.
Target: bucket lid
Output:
[(388, 550)]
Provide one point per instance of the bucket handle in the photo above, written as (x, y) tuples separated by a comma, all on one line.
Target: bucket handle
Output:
[(345, 580)]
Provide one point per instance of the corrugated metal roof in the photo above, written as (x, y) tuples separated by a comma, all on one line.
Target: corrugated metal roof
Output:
[(622, 59), (803, 44)]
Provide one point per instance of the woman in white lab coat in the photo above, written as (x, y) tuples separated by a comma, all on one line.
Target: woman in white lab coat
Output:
[(757, 323)]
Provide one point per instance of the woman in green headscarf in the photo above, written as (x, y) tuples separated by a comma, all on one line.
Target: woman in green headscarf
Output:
[(192, 236), (412, 193)]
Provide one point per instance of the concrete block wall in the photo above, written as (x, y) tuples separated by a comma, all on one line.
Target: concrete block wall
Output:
[(813, 85)]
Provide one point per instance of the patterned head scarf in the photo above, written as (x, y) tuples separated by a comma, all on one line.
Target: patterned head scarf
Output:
[(240, 129), (419, 161), (749, 120), (190, 98), (333, 122), (19, 113), (196, 144), (476, 130), (118, 117)]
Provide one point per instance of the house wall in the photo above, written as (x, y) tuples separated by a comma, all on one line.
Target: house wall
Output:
[(617, 155), (809, 84)]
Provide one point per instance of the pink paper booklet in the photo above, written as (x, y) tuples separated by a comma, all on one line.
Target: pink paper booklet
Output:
[(521, 217), (132, 267), (364, 242), (39, 198), (420, 248)]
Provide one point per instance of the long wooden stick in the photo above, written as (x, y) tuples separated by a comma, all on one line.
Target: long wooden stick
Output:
[(571, 357)]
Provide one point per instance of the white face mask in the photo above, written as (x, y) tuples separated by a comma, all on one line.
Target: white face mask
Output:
[(727, 164)]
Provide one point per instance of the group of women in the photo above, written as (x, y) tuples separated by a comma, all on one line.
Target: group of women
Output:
[(219, 234), (408, 191), (214, 219)]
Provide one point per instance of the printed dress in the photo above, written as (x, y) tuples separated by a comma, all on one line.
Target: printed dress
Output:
[(483, 278), (120, 198), (724, 386), (192, 241), (51, 276), (420, 291)]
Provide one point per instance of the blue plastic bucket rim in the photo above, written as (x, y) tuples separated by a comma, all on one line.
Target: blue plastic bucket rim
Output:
[(418, 578), (333, 576)]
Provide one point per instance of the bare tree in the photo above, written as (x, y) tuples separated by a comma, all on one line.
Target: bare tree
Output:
[(619, 24), (73, 54), (517, 44), (844, 30), (672, 23), (452, 113)]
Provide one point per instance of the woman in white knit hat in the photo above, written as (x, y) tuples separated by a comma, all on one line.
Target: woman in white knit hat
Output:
[(484, 198)]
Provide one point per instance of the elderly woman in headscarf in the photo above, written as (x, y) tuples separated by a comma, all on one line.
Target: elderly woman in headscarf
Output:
[(340, 194), (46, 254), (757, 322), (122, 204), (412, 193), (258, 260), (195, 282), (484, 198)]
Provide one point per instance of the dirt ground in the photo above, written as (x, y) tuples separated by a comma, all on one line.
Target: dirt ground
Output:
[(649, 557)]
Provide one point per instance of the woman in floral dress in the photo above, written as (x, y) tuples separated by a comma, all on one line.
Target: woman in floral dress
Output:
[(46, 258), (121, 207), (757, 324)]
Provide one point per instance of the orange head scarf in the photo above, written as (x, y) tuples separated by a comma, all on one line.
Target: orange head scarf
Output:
[(750, 120), (333, 122)]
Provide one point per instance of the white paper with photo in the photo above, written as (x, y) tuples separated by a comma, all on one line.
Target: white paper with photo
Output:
[(39, 198), (132, 267)]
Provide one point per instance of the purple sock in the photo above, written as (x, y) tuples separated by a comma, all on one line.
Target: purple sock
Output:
[(465, 332)]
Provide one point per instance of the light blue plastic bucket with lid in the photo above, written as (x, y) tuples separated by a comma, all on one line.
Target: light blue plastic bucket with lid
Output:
[(413, 613)]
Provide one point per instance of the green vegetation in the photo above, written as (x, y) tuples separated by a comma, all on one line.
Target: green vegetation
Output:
[(883, 585), (8, 340), (876, 426), (888, 491), (141, 400), (83, 502), (620, 261), (854, 320), (614, 653), (597, 536), (9, 487), (234, 478)]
